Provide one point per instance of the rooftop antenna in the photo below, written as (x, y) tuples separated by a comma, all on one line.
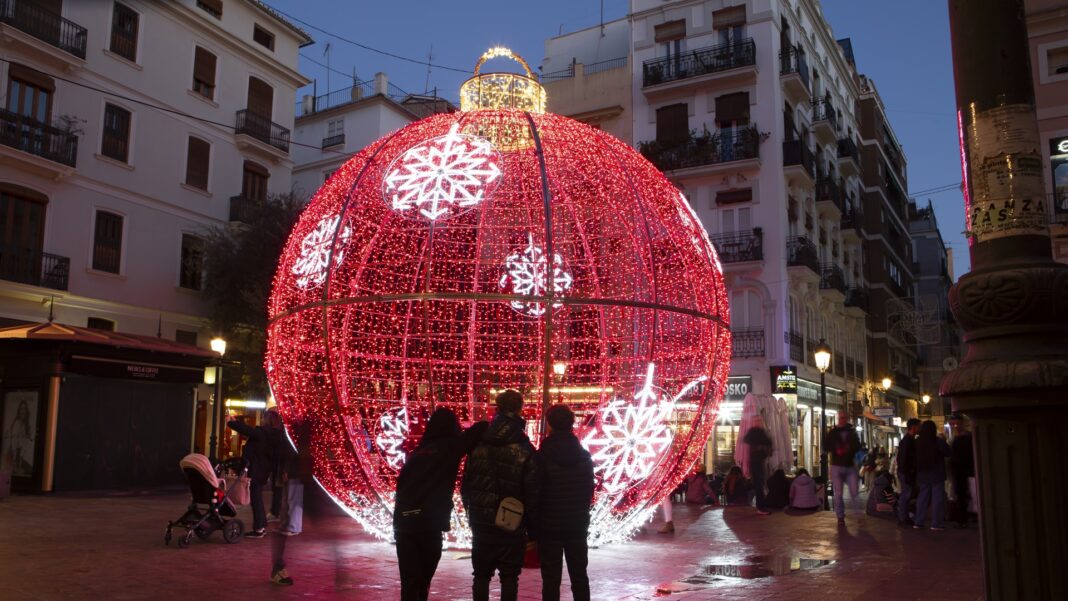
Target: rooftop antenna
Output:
[(159, 326), (326, 53), (602, 18), (429, 57)]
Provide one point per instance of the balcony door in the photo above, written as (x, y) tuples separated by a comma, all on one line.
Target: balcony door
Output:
[(736, 220), (22, 218), (260, 98), (29, 106), (732, 118), (729, 24)]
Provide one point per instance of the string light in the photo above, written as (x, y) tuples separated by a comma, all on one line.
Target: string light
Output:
[(410, 314)]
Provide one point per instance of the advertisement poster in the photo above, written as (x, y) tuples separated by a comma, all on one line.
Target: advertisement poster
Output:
[(1058, 166), (19, 433)]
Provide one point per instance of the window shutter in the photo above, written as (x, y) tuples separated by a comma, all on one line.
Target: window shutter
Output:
[(670, 31), (33, 77), (672, 124), (107, 242), (214, 7), (116, 139), (732, 107), (254, 181), (124, 32), (197, 161), (733, 196), (204, 68), (728, 17), (260, 98)]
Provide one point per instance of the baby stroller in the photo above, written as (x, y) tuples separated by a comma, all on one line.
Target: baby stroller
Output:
[(208, 488)]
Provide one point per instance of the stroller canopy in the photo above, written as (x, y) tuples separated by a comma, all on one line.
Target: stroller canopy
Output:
[(202, 465)]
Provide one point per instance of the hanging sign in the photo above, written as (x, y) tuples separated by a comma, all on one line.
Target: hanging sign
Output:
[(783, 379)]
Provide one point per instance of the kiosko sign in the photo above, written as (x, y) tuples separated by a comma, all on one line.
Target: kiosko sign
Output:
[(783, 379), (738, 387)]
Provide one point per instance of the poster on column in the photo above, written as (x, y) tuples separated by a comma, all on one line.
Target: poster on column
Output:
[(20, 432)]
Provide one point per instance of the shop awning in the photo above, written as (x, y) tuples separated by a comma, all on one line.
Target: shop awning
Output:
[(874, 418), (889, 429), (57, 332)]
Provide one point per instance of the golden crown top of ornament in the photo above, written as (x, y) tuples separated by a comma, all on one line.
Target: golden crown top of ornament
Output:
[(502, 90)]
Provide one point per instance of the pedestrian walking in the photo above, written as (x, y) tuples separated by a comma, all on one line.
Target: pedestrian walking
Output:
[(906, 470), (931, 454), (760, 448), (962, 466), (500, 493), (803, 492), (422, 511), (296, 472), (841, 443), (261, 452), (667, 509), (565, 472)]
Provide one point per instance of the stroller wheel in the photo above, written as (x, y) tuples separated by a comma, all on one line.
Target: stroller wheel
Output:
[(232, 530), (185, 539), (167, 537), (203, 531)]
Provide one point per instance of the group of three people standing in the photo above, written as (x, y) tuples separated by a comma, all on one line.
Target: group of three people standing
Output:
[(511, 493)]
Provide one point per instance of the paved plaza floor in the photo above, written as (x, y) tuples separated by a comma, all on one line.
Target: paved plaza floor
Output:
[(111, 548)]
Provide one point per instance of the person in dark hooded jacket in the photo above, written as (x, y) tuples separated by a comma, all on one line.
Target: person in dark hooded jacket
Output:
[(565, 470), (262, 452), (423, 507), (501, 466)]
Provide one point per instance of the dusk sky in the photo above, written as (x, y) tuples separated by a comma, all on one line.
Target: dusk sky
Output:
[(904, 46)]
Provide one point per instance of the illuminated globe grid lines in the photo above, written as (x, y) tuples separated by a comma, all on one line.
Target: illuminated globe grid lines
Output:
[(417, 317)]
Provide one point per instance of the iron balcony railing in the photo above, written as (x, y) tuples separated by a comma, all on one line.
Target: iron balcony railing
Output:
[(724, 146), (33, 267), (747, 342), (796, 152), (797, 346), (832, 278), (857, 297), (737, 247), (850, 219), (712, 59), (566, 73), (823, 110), (263, 129), (40, 139), (801, 252), (608, 65), (47, 26), (241, 209), (333, 140), (792, 61), (828, 191), (847, 149)]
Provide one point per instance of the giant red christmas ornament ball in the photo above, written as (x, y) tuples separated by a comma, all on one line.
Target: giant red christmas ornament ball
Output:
[(500, 247)]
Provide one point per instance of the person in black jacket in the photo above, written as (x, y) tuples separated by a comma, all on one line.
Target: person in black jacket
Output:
[(423, 507), (501, 466), (962, 466), (906, 470), (566, 491), (261, 451)]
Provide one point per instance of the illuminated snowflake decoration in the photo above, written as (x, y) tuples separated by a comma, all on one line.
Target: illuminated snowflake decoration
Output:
[(392, 433), (313, 263), (443, 175), (526, 273), (632, 437)]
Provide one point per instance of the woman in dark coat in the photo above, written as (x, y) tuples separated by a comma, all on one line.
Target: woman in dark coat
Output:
[(931, 454), (261, 452), (423, 508)]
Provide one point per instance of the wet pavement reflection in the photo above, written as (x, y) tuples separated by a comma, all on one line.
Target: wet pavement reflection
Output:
[(752, 567)]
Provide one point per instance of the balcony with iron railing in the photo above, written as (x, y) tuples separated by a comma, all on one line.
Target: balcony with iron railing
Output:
[(850, 222), (242, 209), (848, 157), (857, 297), (797, 346), (33, 267), (824, 120), (337, 140), (703, 61), (724, 146), (793, 70), (39, 139), (747, 342), (30, 18), (262, 129), (738, 247), (827, 191), (796, 154), (832, 278), (801, 252)]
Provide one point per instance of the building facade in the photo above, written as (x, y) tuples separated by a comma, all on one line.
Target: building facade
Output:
[(755, 111), (129, 128)]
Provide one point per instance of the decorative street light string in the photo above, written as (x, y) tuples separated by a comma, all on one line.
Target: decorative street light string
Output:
[(168, 110)]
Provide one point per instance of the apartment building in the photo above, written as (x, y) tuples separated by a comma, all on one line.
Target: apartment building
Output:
[(129, 128), (332, 127), (1047, 30), (755, 110)]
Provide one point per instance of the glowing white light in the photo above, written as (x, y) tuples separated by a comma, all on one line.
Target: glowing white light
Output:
[(443, 175), (392, 433), (313, 263), (526, 273)]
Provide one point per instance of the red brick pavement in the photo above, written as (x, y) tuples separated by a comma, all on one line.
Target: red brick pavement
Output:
[(111, 548)]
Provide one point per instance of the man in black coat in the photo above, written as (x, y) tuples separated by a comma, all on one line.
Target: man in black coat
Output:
[(566, 491), (423, 507), (261, 452), (501, 466), (961, 465), (906, 469)]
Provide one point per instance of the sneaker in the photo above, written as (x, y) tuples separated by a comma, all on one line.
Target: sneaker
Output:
[(667, 528), (272, 518), (281, 577), (256, 533), (937, 528), (917, 527), (288, 533), (762, 512)]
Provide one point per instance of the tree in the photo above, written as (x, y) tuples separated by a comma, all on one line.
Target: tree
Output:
[(241, 260)]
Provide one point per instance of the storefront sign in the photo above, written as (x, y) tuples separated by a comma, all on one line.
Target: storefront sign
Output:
[(738, 387), (783, 379), (128, 370), (884, 411), (1058, 166)]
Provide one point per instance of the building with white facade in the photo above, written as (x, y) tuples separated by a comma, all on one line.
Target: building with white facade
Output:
[(128, 129), (750, 107)]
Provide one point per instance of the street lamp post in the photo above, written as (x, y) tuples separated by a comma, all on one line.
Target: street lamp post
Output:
[(823, 361), (219, 346)]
